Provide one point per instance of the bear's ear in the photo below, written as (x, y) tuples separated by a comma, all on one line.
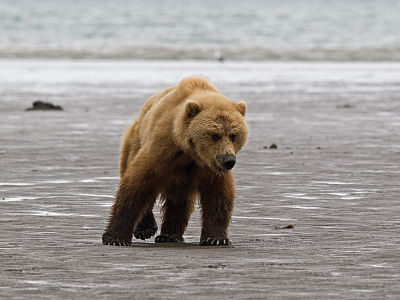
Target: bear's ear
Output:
[(192, 108), (241, 107)]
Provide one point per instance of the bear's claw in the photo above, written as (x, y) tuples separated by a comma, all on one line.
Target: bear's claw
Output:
[(162, 238), (107, 240), (146, 228), (215, 242)]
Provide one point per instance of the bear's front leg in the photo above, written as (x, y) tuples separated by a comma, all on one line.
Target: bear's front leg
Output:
[(217, 195), (136, 194)]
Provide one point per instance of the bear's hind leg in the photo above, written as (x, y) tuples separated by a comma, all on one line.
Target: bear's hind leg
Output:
[(178, 206), (135, 196), (147, 227)]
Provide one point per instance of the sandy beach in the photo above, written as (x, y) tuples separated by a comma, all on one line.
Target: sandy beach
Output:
[(334, 176)]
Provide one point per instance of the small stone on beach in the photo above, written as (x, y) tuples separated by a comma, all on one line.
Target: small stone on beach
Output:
[(272, 146), (290, 226)]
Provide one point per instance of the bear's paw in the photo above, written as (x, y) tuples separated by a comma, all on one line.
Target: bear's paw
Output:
[(108, 240)]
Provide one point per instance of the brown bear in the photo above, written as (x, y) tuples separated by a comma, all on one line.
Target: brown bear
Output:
[(182, 147)]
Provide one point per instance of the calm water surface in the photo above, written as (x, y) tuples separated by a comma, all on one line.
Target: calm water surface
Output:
[(256, 30)]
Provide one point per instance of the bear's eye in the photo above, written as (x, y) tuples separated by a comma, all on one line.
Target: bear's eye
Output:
[(233, 137), (215, 137)]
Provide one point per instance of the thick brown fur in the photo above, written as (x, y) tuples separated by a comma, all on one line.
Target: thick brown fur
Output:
[(178, 148)]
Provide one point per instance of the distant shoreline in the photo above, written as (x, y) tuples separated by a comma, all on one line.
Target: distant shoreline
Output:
[(210, 53)]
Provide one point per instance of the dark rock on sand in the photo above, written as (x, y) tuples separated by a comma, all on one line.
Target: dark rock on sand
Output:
[(40, 105)]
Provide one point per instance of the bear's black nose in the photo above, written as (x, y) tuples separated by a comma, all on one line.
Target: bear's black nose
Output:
[(228, 161)]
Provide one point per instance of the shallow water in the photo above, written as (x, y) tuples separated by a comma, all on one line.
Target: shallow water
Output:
[(258, 29)]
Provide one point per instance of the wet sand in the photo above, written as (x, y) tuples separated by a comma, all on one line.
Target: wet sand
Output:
[(334, 176)]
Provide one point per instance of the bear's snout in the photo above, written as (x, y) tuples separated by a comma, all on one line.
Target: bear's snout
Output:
[(228, 161)]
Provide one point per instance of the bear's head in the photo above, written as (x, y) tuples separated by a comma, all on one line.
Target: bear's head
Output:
[(215, 130)]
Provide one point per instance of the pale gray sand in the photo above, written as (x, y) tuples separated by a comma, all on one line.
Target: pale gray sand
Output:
[(335, 177)]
